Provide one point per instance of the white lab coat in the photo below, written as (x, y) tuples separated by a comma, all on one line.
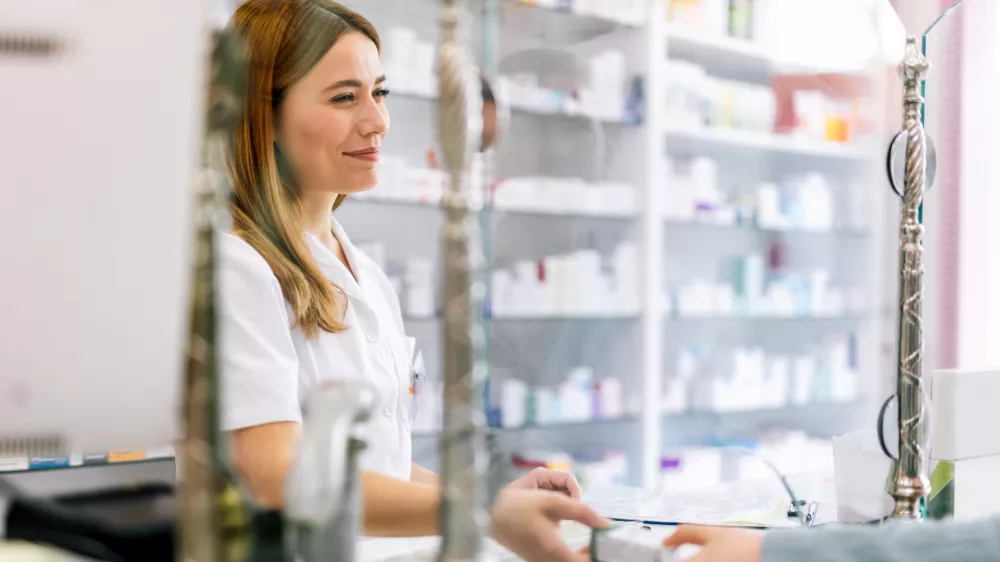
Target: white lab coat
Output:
[(269, 367)]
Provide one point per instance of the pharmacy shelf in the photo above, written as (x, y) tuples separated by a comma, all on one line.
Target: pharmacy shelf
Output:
[(845, 232), (413, 94), (538, 9), (620, 434), (539, 319), (765, 318), (693, 428), (545, 39), (705, 138), (708, 49), (829, 419), (498, 212), (547, 25), (719, 52), (587, 425)]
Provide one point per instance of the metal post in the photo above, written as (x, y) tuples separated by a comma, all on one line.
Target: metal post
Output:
[(213, 519), (463, 517), (909, 481)]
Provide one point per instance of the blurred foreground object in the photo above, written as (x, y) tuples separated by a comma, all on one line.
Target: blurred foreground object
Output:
[(463, 518), (99, 147), (213, 518), (323, 489), (101, 139)]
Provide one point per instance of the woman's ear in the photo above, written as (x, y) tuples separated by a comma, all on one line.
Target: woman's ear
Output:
[(284, 166), (276, 129)]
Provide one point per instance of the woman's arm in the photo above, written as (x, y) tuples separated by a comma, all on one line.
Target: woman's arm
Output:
[(423, 476), (263, 455)]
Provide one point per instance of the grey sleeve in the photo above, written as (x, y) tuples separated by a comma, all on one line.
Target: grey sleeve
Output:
[(966, 542)]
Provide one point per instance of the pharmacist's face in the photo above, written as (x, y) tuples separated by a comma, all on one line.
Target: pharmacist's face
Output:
[(331, 123)]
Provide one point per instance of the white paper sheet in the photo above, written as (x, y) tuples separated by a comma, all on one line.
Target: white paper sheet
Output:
[(758, 504)]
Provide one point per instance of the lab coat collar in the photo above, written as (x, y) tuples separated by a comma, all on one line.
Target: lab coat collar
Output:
[(333, 268)]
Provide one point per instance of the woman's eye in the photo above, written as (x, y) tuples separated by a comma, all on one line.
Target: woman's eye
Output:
[(381, 93), (343, 98)]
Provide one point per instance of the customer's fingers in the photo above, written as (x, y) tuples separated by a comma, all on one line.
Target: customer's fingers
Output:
[(563, 508), (573, 487), (557, 481)]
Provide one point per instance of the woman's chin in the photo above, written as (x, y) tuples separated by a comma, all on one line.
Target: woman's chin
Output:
[(358, 187)]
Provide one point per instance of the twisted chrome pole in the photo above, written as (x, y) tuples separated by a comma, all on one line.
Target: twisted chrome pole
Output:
[(463, 517), (909, 482), (213, 519)]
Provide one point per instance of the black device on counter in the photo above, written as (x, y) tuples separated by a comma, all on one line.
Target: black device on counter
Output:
[(134, 524)]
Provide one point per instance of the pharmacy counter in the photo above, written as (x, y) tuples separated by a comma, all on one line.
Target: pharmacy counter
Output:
[(758, 502)]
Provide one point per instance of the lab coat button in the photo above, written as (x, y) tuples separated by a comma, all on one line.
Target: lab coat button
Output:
[(372, 336), (388, 411)]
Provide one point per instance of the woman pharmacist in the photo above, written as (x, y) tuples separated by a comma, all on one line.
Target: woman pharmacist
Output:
[(302, 306)]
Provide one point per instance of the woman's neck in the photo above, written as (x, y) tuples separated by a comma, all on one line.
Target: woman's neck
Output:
[(317, 219), (317, 216)]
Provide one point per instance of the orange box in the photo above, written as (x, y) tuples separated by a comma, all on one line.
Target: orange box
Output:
[(126, 456)]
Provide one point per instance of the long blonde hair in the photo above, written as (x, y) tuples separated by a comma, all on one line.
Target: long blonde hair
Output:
[(283, 40)]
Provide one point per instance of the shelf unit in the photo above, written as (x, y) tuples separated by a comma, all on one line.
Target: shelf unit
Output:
[(544, 347), (778, 144), (847, 246)]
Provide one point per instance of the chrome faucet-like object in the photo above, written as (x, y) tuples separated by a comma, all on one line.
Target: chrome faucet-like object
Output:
[(909, 481), (322, 489), (463, 516), (214, 516)]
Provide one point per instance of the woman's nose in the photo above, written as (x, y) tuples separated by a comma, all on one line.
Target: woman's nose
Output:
[(374, 119)]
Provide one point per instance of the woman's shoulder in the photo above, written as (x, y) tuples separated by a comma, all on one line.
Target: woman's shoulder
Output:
[(237, 256)]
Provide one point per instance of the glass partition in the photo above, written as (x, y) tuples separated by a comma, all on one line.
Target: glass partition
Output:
[(686, 224), (959, 329), (691, 231), (566, 330), (774, 237)]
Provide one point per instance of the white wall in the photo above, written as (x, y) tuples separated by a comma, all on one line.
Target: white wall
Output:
[(979, 251)]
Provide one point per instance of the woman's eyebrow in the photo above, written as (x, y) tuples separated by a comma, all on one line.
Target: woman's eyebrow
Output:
[(352, 83)]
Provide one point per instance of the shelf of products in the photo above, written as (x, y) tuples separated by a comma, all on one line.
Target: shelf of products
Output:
[(708, 47), (622, 423), (774, 417), (706, 138), (555, 320), (741, 228), (545, 103), (498, 212), (620, 12), (746, 195), (546, 197), (859, 317), (770, 237)]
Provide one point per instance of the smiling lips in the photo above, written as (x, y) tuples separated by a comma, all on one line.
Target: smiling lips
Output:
[(368, 154)]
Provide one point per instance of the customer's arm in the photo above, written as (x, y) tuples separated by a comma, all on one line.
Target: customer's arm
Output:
[(969, 542), (263, 455), (926, 542)]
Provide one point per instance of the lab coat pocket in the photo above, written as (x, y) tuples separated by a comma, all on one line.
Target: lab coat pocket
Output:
[(418, 379)]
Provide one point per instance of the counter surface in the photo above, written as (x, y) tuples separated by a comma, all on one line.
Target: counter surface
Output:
[(760, 502), (754, 502)]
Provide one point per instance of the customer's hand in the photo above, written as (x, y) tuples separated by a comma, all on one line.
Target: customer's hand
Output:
[(526, 522), (545, 479), (719, 544)]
